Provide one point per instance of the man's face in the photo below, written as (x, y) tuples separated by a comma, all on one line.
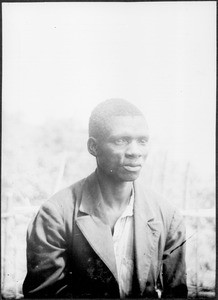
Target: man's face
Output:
[(123, 150)]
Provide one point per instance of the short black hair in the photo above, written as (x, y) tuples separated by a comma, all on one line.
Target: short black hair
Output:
[(105, 110)]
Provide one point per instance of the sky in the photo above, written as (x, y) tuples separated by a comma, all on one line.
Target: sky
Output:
[(62, 59)]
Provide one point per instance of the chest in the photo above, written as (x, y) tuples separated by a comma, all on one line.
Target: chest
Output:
[(112, 218)]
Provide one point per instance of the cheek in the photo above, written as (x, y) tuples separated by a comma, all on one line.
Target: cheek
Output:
[(117, 155), (111, 158), (145, 150), (110, 152), (145, 155)]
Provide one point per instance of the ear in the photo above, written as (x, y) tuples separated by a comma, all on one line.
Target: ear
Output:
[(92, 146)]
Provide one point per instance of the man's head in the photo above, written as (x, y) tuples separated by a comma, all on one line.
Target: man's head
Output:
[(118, 137), (102, 113)]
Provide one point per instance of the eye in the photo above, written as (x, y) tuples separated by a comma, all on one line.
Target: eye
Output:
[(143, 141), (120, 141)]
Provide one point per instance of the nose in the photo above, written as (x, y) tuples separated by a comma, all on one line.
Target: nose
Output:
[(133, 150)]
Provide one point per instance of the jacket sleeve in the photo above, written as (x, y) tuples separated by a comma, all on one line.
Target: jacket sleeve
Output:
[(46, 254), (174, 266)]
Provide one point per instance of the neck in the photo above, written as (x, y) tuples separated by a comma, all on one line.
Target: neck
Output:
[(114, 193)]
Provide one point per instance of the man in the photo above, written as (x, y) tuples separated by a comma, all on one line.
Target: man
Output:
[(107, 236)]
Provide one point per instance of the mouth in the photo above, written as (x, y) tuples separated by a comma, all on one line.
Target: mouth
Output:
[(132, 168)]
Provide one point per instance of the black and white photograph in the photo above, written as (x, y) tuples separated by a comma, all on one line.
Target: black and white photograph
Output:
[(108, 150)]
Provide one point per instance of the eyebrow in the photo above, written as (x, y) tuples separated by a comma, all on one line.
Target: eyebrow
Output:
[(113, 137)]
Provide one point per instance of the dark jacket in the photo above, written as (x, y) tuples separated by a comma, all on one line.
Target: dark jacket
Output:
[(70, 249)]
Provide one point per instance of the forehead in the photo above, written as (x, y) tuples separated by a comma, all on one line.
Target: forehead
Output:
[(127, 125)]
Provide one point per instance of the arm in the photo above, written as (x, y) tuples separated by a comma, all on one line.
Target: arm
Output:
[(46, 254), (174, 266)]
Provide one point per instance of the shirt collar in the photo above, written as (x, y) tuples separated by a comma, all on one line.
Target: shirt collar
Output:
[(128, 212)]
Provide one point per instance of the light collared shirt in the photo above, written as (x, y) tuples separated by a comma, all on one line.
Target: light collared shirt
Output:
[(123, 249)]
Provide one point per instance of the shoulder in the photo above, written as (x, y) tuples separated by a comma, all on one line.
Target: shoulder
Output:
[(162, 209), (68, 195), (64, 202), (59, 210), (158, 201), (166, 212)]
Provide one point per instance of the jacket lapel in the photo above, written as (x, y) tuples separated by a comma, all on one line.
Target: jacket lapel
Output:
[(90, 220), (147, 232)]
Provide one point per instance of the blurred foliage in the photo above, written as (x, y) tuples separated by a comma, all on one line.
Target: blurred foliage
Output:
[(32, 156), (39, 160)]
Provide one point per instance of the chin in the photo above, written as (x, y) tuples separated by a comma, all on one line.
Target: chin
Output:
[(129, 177)]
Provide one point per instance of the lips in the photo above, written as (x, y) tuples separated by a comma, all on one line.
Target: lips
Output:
[(132, 168)]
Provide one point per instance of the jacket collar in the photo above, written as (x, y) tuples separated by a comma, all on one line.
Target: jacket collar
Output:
[(91, 222), (91, 203)]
